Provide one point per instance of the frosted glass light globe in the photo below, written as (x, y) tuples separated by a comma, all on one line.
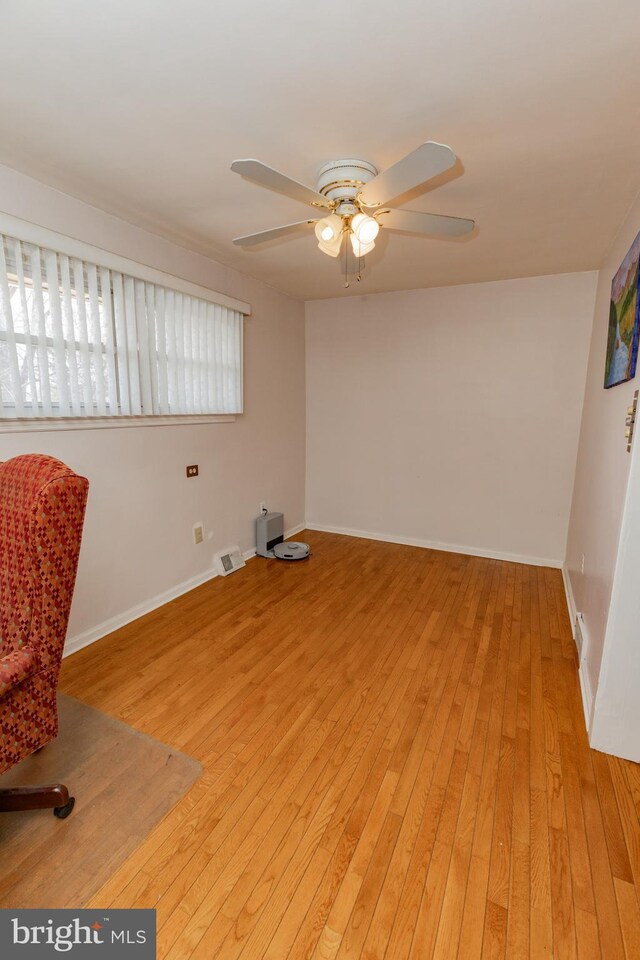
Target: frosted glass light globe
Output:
[(365, 228), (360, 249), (328, 228), (329, 234)]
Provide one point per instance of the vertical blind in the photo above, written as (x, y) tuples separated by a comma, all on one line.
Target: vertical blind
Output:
[(81, 340)]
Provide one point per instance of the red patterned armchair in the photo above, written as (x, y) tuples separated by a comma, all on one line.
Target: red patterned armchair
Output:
[(42, 505)]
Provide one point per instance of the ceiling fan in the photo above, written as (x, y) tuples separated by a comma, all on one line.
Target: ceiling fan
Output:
[(354, 197)]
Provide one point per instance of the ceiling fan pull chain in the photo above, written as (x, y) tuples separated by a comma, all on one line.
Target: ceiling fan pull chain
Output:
[(346, 269)]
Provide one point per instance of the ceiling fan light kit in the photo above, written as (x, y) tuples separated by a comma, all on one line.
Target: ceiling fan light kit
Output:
[(354, 192)]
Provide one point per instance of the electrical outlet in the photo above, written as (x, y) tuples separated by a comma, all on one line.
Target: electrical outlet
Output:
[(263, 508), (198, 533), (192, 470)]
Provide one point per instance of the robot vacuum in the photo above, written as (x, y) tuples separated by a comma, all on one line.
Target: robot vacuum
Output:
[(270, 540), (291, 550)]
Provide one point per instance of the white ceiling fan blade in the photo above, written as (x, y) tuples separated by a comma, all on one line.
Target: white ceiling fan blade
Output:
[(273, 180), (432, 224), (426, 162), (252, 238)]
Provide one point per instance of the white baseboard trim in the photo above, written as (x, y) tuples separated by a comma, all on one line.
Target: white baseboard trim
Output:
[(436, 545), (81, 640), (88, 637), (583, 667), (587, 695), (571, 603), (292, 532)]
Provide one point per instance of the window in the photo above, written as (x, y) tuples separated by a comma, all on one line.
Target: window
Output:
[(82, 340)]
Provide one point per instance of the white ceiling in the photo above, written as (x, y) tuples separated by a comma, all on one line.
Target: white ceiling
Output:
[(139, 107)]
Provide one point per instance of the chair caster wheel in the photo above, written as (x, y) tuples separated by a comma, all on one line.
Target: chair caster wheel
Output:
[(63, 812)]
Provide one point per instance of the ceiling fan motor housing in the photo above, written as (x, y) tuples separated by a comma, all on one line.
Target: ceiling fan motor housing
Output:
[(342, 180)]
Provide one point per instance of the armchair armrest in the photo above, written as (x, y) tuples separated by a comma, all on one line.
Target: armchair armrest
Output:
[(16, 667)]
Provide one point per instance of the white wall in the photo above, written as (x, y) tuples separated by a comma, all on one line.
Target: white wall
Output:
[(450, 416), (615, 726), (602, 474), (138, 546)]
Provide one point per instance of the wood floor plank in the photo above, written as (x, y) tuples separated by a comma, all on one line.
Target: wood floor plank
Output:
[(395, 765), (603, 885), (616, 844), (629, 916), (629, 815)]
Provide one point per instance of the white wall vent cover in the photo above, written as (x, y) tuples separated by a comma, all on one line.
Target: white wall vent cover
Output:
[(229, 560)]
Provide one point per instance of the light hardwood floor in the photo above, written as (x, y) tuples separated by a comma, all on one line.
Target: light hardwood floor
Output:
[(396, 765)]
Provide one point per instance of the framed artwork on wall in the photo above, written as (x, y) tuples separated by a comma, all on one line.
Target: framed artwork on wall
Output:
[(624, 321)]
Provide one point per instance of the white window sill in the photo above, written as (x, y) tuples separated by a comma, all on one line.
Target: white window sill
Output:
[(46, 424)]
